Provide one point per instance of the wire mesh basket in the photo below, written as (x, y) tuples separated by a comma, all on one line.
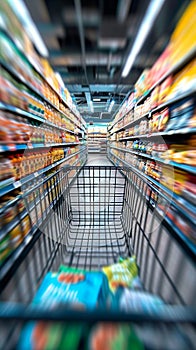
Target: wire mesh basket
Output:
[(88, 218)]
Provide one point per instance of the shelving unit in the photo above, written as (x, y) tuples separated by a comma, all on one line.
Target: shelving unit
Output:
[(136, 142), (188, 168), (42, 132), (184, 60), (97, 139), (183, 206)]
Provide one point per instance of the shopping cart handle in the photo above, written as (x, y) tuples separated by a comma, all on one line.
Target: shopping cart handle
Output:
[(165, 314)]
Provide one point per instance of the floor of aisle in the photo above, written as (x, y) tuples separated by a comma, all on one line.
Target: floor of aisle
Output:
[(97, 159)]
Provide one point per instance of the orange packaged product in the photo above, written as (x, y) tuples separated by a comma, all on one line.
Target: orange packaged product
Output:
[(164, 117), (15, 236), (155, 122)]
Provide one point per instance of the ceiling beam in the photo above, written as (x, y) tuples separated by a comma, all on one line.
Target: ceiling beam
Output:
[(78, 9), (123, 10), (91, 59)]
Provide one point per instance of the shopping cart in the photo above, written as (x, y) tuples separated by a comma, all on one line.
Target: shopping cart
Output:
[(88, 218)]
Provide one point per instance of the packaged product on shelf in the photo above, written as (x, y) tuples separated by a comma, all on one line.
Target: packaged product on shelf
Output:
[(5, 248), (11, 92), (129, 144), (181, 114), (184, 81), (153, 169), (146, 106), (189, 189), (154, 97), (136, 130), (141, 164), (149, 147), (131, 101), (6, 170), (164, 90), (158, 150), (160, 67), (174, 179), (142, 84), (155, 122), (163, 119), (183, 37), (143, 127), (180, 222), (11, 211)]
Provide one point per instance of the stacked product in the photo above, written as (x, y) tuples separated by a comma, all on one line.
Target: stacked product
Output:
[(39, 133), (155, 136)]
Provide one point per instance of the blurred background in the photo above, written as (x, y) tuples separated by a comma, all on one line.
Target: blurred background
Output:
[(88, 43), (116, 79)]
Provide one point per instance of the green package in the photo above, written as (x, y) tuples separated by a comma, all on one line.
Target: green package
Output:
[(113, 336), (50, 336)]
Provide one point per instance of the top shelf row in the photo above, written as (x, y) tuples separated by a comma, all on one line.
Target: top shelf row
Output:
[(32, 77), (172, 73), (174, 70)]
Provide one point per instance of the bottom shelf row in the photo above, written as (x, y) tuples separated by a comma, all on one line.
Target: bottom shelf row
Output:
[(22, 211), (175, 216)]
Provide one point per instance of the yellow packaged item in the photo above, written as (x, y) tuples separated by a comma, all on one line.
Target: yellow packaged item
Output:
[(184, 81), (183, 37), (121, 274)]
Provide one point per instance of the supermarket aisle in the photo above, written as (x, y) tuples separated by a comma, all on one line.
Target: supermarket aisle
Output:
[(97, 159)]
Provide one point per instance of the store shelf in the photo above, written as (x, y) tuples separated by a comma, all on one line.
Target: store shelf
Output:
[(181, 235), (21, 112), (185, 167), (26, 179), (177, 67), (11, 225), (185, 207), (175, 99), (163, 133), (15, 147), (130, 124), (178, 98), (186, 59), (121, 118), (9, 264), (20, 78), (34, 66)]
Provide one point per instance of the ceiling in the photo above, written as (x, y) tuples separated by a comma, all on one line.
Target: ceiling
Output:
[(89, 42)]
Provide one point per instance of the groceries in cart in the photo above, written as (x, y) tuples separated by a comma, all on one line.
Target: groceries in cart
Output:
[(77, 287), (116, 286)]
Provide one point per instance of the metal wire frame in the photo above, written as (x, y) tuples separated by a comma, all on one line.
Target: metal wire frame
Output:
[(91, 220)]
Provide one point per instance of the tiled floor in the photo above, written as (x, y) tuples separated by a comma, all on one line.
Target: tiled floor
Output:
[(97, 159)]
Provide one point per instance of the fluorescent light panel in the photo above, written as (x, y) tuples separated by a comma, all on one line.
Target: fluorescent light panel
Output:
[(96, 99), (147, 23)]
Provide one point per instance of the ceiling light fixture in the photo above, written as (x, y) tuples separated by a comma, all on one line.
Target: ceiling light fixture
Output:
[(23, 15), (91, 106), (96, 99), (149, 18), (111, 106)]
